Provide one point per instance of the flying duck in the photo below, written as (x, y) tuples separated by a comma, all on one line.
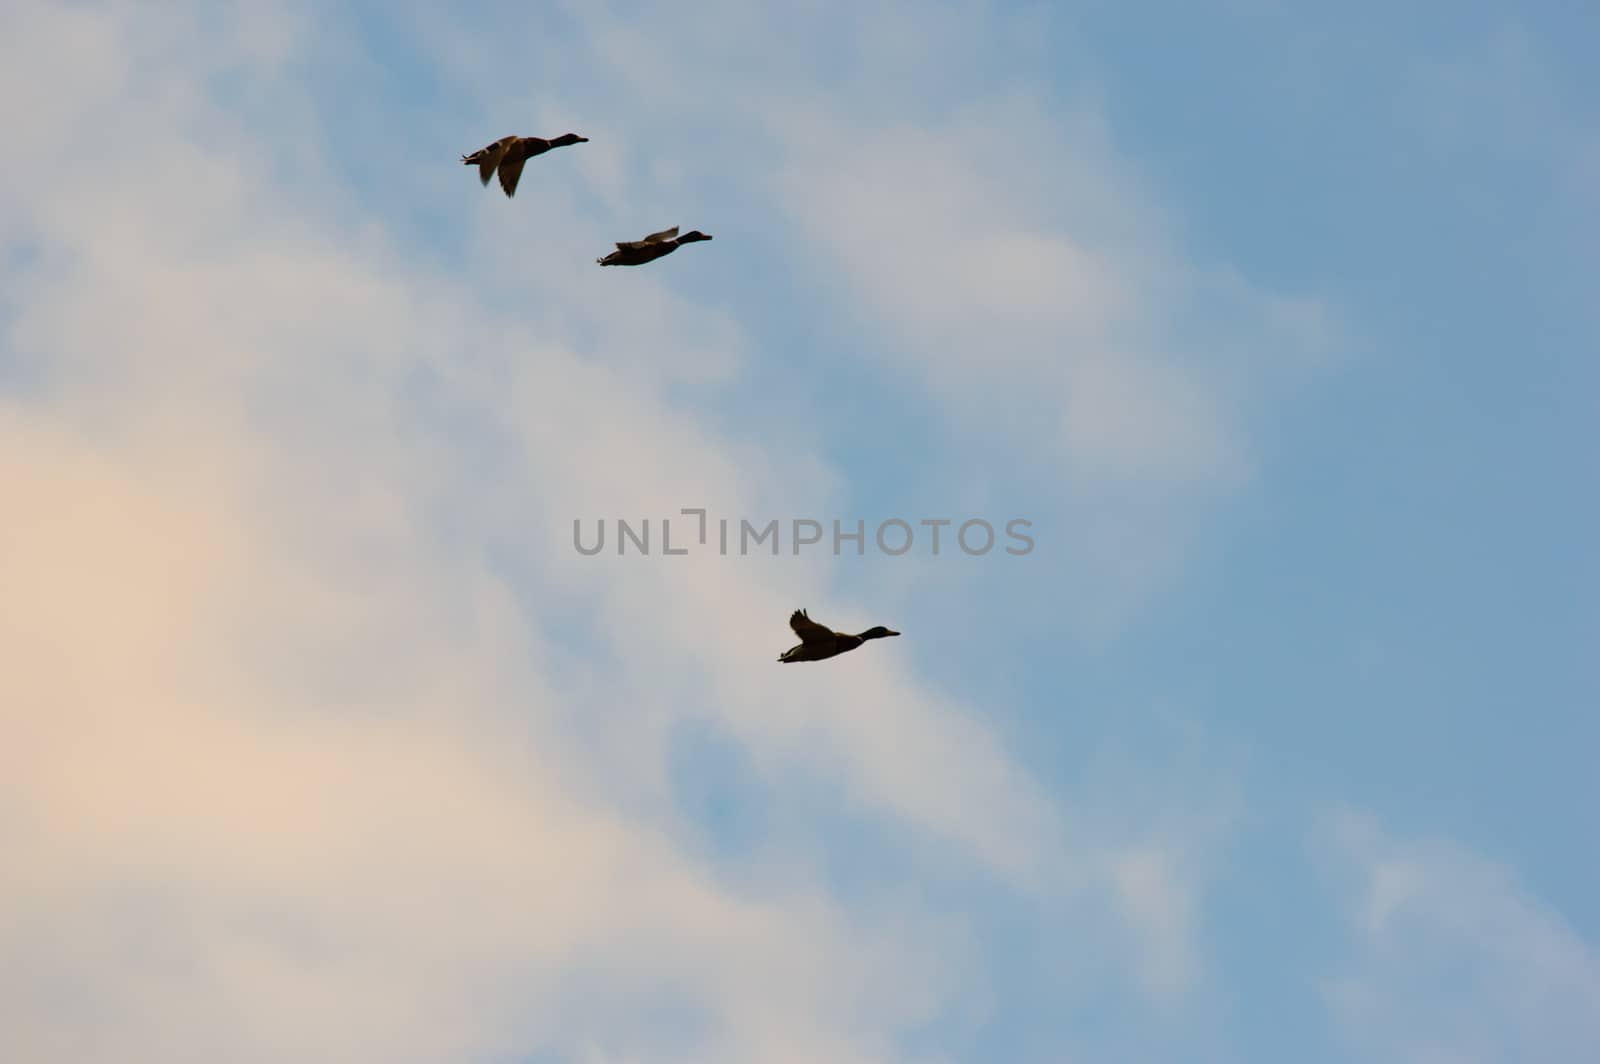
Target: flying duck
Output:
[(652, 247), (818, 642), (509, 153)]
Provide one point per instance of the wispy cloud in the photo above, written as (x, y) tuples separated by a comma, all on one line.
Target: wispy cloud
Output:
[(318, 745), (1455, 959)]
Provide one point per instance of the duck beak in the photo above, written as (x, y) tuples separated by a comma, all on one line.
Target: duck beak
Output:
[(894, 633)]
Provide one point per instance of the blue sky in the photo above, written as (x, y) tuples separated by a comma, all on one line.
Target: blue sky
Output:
[(324, 744)]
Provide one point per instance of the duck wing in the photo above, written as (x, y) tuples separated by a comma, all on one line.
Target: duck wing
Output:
[(808, 630), (653, 238), (489, 158), (511, 171)]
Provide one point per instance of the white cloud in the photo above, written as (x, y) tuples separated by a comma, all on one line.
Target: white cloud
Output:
[(1157, 901), (1455, 960), (291, 771), (1030, 280)]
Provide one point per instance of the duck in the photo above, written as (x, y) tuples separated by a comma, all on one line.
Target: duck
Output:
[(819, 641), (652, 247), (509, 153)]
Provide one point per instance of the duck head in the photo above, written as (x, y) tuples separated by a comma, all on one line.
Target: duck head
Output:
[(691, 236), (569, 138), (880, 632)]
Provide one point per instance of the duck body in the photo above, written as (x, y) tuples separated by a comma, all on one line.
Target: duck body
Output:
[(819, 642), (652, 247), (508, 154)]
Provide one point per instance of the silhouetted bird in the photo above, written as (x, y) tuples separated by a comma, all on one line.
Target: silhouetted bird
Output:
[(509, 153), (652, 247), (818, 642)]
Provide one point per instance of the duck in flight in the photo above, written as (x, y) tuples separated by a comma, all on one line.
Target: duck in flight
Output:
[(509, 153), (818, 642), (652, 247)]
